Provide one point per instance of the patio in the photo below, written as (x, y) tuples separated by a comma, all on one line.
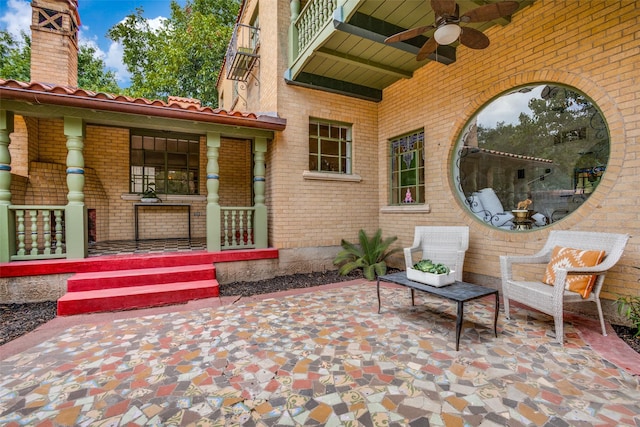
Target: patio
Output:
[(325, 359)]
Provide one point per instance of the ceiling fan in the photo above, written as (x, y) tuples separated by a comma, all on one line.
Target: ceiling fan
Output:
[(448, 29)]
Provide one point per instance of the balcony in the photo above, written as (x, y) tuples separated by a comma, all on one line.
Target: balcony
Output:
[(338, 45), (242, 53)]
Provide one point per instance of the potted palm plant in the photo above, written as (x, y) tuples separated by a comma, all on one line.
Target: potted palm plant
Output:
[(149, 195)]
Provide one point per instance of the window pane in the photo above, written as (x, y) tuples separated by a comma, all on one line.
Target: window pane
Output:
[(330, 147), (136, 141), (313, 145), (154, 158), (137, 157), (551, 147), (161, 151), (161, 144), (313, 162), (148, 142), (174, 159), (329, 151), (194, 146), (330, 164), (407, 169), (335, 132)]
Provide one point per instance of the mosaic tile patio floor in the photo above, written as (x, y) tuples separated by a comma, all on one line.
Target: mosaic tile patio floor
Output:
[(323, 357)]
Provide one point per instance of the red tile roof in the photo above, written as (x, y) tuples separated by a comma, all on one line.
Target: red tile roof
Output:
[(44, 93), (505, 154)]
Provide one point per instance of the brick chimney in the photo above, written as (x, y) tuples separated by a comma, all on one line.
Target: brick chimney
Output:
[(54, 42)]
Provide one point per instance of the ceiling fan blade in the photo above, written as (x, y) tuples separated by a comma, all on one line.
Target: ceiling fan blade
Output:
[(427, 49), (474, 39), (444, 7), (407, 34), (489, 12)]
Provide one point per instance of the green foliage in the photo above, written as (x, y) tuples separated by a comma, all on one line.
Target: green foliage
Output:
[(15, 63), (369, 255), (427, 266), (183, 56), (630, 307), (15, 57), (92, 74)]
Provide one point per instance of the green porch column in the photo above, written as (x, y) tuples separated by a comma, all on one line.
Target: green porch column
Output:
[(76, 230), (260, 225), (213, 184), (293, 31), (7, 222)]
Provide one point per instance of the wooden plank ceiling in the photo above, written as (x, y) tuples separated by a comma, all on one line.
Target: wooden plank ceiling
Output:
[(352, 57)]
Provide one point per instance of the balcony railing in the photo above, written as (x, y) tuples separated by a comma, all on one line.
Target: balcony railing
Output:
[(237, 228), (39, 232), (312, 18), (242, 53)]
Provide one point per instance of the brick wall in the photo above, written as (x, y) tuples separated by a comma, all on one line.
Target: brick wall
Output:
[(235, 163), (590, 45), (19, 147)]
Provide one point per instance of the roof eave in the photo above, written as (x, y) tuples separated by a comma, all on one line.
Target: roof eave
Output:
[(102, 104)]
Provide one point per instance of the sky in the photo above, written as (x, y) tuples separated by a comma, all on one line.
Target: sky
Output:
[(96, 17), (508, 108)]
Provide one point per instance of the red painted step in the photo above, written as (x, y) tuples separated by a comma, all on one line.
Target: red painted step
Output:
[(135, 297), (139, 277)]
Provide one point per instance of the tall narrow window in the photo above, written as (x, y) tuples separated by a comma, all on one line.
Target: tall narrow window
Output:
[(407, 169), (169, 161), (329, 147)]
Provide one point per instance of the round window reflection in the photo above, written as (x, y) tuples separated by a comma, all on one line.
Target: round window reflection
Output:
[(531, 156)]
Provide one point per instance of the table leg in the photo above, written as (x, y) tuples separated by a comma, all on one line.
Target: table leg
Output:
[(378, 290), (495, 320), (413, 297), (459, 320)]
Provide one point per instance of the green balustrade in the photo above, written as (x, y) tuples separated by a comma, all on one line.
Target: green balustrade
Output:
[(40, 244)]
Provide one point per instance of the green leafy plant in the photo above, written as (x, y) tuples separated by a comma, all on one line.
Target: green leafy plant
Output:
[(629, 307), (427, 266), (150, 192), (370, 255)]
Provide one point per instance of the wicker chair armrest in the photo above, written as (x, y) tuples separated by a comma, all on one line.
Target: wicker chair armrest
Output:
[(525, 259), (584, 270), (408, 260)]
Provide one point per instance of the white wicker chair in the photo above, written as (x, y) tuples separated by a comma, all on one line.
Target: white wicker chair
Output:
[(446, 245), (551, 299)]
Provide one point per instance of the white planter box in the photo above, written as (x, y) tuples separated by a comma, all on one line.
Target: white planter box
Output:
[(431, 279)]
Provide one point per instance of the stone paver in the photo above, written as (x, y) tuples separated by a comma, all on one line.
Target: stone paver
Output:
[(322, 357)]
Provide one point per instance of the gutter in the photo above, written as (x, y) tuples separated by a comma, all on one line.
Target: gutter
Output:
[(141, 107)]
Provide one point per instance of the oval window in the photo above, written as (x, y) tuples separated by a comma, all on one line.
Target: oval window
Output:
[(531, 156)]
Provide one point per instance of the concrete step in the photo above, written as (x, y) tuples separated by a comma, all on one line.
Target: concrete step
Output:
[(125, 298), (139, 277)]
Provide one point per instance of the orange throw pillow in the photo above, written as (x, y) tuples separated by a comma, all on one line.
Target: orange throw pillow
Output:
[(570, 257)]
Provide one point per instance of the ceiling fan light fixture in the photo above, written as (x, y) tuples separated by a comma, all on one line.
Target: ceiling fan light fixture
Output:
[(447, 34)]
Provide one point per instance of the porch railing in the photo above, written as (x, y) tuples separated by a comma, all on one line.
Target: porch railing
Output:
[(312, 18), (39, 232), (237, 228)]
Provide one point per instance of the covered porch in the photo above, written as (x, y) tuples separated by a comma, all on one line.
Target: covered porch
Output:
[(67, 181)]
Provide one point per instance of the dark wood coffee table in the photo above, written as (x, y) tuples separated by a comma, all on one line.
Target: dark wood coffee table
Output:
[(460, 292)]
